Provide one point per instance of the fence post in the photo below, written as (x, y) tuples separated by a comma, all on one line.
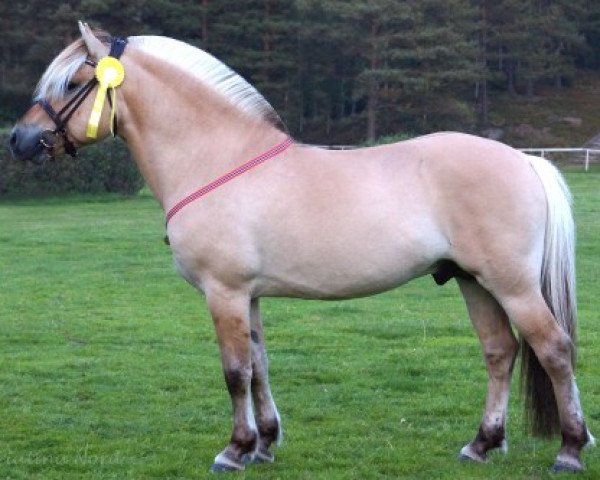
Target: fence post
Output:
[(587, 159)]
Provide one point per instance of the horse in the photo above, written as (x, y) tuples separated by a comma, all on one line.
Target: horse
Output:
[(278, 218)]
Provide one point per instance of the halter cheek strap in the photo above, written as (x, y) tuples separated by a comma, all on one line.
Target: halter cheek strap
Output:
[(61, 117)]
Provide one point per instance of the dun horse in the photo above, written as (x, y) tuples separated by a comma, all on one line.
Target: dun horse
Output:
[(280, 219)]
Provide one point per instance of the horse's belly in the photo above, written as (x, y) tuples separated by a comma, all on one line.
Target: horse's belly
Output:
[(332, 285), (349, 262)]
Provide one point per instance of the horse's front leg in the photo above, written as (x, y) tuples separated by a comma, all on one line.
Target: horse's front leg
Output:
[(231, 316), (267, 417)]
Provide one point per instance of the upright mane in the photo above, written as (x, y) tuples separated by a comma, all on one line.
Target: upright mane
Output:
[(210, 71), (200, 64)]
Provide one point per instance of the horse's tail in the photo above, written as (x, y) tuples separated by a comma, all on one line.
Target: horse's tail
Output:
[(558, 289)]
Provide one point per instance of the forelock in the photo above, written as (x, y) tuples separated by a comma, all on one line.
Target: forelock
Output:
[(54, 81)]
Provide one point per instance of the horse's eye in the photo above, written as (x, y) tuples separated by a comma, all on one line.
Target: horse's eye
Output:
[(71, 86)]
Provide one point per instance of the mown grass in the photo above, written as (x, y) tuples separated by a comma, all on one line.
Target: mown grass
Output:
[(109, 366)]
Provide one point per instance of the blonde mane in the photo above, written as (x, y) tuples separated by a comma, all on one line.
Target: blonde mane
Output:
[(210, 71), (197, 62)]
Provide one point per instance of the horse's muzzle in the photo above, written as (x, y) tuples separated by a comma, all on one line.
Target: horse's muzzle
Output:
[(30, 142)]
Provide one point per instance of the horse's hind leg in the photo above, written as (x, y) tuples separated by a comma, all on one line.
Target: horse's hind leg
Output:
[(267, 417), (553, 348), (499, 348)]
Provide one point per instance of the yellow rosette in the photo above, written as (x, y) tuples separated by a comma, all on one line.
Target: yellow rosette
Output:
[(110, 74)]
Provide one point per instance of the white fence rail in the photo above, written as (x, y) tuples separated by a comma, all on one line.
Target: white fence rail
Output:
[(543, 151)]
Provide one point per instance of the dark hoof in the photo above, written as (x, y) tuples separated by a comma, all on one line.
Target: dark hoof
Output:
[(560, 467), (221, 467)]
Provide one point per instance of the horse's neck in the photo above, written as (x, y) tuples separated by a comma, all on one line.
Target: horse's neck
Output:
[(182, 134)]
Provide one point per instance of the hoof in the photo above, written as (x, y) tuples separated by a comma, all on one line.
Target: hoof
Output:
[(225, 464), (468, 455), (221, 467), (560, 467)]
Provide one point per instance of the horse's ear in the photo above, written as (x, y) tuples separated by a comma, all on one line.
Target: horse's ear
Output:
[(96, 48)]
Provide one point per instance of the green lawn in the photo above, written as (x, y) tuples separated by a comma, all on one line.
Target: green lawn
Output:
[(109, 366)]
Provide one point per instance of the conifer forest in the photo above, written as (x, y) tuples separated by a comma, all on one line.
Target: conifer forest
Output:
[(337, 70)]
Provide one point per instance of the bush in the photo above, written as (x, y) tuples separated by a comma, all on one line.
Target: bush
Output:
[(105, 167)]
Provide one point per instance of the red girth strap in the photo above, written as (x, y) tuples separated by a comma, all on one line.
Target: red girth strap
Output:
[(209, 187)]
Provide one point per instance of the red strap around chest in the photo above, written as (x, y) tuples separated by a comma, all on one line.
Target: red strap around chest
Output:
[(236, 172)]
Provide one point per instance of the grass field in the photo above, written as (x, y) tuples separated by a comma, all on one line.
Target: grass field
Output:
[(109, 366)]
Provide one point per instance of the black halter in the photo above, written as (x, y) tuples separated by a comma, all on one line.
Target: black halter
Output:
[(61, 118)]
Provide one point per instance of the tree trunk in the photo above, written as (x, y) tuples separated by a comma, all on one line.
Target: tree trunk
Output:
[(558, 83), (485, 102), (266, 37), (482, 94), (205, 24), (530, 87), (373, 95), (372, 111), (510, 78)]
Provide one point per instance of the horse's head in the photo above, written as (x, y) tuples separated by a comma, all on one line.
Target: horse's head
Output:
[(68, 111)]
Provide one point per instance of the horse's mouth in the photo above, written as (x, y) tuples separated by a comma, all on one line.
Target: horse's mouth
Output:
[(40, 154), (36, 154), (30, 144), (49, 146)]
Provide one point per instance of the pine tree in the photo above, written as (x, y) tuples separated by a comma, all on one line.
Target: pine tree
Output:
[(482, 84), (589, 56), (260, 43), (372, 26), (534, 40), (446, 59), (410, 53), (326, 69), (331, 66)]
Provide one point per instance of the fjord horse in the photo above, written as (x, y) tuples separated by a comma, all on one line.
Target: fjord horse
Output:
[(281, 219)]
